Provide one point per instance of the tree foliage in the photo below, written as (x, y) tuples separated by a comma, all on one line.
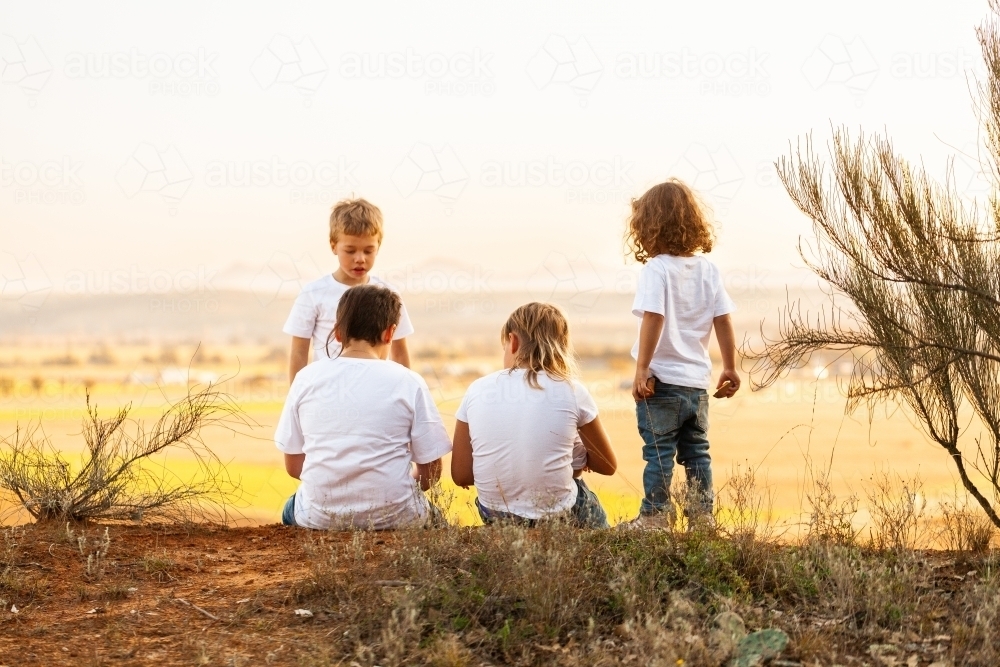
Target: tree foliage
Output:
[(919, 265)]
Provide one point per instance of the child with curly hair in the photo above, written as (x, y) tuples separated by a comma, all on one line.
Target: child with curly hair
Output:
[(680, 299)]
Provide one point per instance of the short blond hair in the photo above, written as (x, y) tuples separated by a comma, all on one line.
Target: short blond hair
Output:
[(355, 217), (543, 334)]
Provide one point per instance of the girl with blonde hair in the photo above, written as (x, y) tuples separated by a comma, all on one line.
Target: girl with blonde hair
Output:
[(524, 434)]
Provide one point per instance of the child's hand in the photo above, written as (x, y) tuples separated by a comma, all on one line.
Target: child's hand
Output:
[(642, 385), (734, 384)]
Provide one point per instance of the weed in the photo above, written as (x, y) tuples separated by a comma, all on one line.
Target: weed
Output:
[(112, 481), (965, 528), (896, 506)]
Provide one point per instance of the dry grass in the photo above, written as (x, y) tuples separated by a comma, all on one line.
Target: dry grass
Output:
[(558, 595), (115, 479)]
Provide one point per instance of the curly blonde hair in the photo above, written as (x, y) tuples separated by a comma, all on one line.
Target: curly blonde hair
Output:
[(543, 334), (668, 220)]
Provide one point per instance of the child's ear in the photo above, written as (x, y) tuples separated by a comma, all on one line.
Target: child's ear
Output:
[(336, 335), (515, 343), (388, 334)]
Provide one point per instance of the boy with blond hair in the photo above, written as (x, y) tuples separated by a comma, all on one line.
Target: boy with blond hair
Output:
[(355, 238)]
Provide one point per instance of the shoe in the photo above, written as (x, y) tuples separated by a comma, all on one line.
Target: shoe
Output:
[(660, 521)]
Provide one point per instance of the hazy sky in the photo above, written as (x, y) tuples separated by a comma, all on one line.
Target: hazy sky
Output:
[(203, 136)]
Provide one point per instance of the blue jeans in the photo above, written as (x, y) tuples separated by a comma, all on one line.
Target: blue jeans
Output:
[(435, 517), (288, 513), (674, 422), (586, 511)]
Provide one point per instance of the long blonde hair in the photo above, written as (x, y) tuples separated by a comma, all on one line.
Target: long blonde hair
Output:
[(543, 334)]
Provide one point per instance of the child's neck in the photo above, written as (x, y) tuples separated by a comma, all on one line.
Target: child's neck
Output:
[(361, 349)]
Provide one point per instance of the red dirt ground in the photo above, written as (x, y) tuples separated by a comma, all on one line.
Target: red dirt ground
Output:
[(132, 614)]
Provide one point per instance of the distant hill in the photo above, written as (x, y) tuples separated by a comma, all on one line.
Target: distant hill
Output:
[(599, 315)]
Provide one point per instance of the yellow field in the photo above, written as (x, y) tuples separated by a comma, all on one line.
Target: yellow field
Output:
[(775, 431)]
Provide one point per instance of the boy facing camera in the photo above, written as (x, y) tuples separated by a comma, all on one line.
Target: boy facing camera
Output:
[(353, 424), (355, 238)]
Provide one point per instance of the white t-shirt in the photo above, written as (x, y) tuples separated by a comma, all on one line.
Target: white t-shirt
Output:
[(689, 293), (525, 441), (360, 423), (315, 312)]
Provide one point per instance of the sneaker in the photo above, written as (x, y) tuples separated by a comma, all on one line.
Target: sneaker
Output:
[(661, 521)]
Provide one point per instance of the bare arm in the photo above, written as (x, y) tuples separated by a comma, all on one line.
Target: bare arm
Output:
[(600, 456), (726, 337), (399, 352), (299, 357), (649, 336), (428, 474), (293, 464), (461, 456)]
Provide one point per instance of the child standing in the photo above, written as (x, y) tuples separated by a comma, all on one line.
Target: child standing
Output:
[(355, 238), (524, 434), (680, 299)]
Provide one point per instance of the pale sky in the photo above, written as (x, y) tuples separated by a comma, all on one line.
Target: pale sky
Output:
[(202, 137)]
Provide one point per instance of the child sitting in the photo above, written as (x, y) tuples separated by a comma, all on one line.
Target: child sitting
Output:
[(355, 238), (680, 299), (516, 429), (352, 425)]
